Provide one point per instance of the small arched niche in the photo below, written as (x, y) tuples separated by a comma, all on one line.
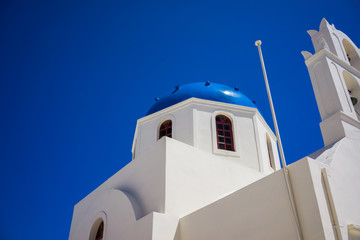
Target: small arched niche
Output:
[(353, 88), (352, 54), (97, 230), (270, 152)]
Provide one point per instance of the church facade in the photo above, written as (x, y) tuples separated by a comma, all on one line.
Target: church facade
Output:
[(206, 166)]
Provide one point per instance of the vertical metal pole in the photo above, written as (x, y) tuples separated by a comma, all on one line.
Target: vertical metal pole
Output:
[(282, 156), (283, 162)]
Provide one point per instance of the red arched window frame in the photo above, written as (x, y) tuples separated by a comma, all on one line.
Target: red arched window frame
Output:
[(224, 133), (165, 129)]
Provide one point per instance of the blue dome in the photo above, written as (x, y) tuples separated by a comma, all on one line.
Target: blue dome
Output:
[(208, 91)]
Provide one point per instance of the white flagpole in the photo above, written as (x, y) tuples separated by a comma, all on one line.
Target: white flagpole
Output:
[(285, 168), (258, 44)]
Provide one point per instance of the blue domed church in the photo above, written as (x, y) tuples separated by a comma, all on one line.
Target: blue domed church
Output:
[(205, 165), (197, 144)]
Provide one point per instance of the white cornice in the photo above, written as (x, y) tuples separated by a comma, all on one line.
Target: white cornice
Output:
[(206, 103), (326, 53), (343, 117), (199, 101)]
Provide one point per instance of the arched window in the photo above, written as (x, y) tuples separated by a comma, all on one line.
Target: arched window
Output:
[(224, 133), (100, 231), (165, 129)]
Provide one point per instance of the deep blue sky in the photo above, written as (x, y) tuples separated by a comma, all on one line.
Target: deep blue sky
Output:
[(76, 75)]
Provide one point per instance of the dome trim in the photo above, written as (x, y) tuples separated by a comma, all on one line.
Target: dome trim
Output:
[(208, 91)]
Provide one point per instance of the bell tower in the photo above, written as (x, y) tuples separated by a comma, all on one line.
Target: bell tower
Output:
[(334, 70)]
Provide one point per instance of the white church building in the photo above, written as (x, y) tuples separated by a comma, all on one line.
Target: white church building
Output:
[(205, 165)]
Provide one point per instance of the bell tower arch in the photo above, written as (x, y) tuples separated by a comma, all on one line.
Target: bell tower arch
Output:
[(334, 70)]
